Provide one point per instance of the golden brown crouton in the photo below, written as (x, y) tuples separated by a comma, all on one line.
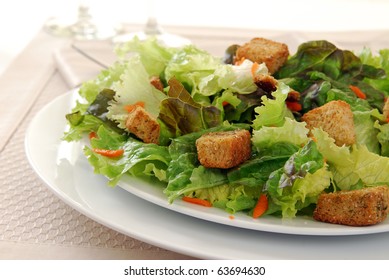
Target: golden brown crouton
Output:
[(362, 207), (260, 50), (224, 149), (143, 125), (336, 118), (386, 109)]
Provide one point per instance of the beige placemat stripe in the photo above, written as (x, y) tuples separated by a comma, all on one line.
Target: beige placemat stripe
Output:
[(23, 81)]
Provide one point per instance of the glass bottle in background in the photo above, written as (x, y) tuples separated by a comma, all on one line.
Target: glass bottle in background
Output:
[(153, 29), (83, 27)]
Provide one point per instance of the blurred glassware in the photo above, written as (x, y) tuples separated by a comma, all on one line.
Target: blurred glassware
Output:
[(152, 29), (83, 28)]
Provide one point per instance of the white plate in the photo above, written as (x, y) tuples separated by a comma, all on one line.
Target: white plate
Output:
[(65, 170)]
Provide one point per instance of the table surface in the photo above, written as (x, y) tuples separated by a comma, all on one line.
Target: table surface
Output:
[(34, 223)]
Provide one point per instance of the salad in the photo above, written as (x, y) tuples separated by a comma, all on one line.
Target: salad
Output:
[(190, 93)]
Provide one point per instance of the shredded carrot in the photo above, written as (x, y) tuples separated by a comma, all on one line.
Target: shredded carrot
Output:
[(358, 92), (131, 107), (254, 68), (109, 153), (198, 201), (231, 217), (225, 103), (293, 106), (239, 62), (261, 206), (92, 135)]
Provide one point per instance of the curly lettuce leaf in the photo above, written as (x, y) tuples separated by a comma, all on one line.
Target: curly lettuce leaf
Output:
[(234, 78), (303, 193), (105, 79), (231, 199), (383, 137), (184, 171), (273, 111), (182, 115), (153, 55), (368, 169), (298, 183), (190, 65), (341, 68), (291, 131), (365, 131), (139, 159), (255, 172), (354, 167), (80, 125), (134, 87), (380, 60)]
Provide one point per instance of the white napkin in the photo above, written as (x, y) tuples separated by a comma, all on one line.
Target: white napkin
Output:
[(80, 61)]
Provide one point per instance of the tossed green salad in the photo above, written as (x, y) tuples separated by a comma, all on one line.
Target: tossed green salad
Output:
[(289, 165)]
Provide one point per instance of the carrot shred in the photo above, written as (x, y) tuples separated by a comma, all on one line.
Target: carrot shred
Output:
[(92, 135), (225, 103), (239, 62), (358, 92), (254, 68), (261, 206), (131, 107), (293, 106), (197, 201), (109, 153)]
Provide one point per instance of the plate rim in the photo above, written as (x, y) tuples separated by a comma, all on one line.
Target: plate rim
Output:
[(197, 211)]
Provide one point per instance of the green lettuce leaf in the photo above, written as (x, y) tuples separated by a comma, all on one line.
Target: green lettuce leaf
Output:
[(316, 61), (134, 87), (182, 115), (365, 131), (291, 131), (90, 89), (234, 78), (298, 183), (152, 54), (352, 168), (139, 159), (383, 137), (302, 194), (255, 172), (80, 125), (184, 171), (273, 111), (380, 60), (190, 65), (231, 199)]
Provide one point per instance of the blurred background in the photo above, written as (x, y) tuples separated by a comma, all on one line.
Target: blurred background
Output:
[(20, 20)]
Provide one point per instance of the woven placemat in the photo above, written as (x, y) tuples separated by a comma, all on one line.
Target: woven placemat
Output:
[(31, 213)]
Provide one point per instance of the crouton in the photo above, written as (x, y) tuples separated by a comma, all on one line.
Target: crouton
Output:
[(261, 50), (266, 82), (144, 126), (157, 83), (336, 118), (386, 109), (362, 207), (224, 149)]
